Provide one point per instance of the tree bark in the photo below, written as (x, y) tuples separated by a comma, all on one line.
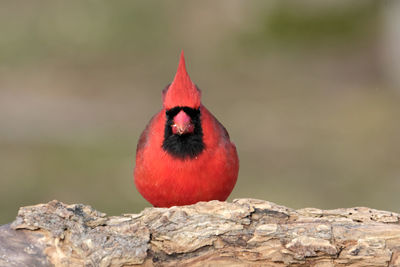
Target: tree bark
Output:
[(247, 232)]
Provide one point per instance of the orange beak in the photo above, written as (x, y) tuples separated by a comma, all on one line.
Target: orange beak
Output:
[(182, 124)]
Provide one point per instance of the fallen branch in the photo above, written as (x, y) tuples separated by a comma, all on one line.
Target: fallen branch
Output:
[(246, 232)]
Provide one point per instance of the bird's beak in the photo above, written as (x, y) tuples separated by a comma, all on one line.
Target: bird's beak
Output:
[(182, 124)]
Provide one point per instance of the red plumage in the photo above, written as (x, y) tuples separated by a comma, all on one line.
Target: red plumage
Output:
[(184, 155)]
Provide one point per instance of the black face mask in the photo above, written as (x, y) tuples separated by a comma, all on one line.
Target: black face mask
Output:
[(187, 145)]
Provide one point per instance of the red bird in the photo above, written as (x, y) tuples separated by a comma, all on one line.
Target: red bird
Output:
[(184, 155)]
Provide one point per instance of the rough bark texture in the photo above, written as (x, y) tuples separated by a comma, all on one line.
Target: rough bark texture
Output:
[(247, 232)]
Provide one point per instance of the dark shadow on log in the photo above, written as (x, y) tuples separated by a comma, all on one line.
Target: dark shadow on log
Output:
[(247, 232)]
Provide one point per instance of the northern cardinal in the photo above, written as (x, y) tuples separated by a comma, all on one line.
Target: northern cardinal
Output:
[(184, 155)]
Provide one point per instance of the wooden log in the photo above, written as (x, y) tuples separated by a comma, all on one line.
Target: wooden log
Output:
[(247, 232)]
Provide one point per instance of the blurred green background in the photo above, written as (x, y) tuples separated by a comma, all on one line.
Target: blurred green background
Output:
[(308, 90)]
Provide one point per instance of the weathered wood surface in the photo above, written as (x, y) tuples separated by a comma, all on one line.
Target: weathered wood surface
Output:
[(246, 232)]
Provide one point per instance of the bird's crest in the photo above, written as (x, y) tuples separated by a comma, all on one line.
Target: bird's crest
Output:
[(182, 91)]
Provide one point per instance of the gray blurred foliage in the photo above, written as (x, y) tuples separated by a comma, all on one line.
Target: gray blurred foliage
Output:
[(306, 90)]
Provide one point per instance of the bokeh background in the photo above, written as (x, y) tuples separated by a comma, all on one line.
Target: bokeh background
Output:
[(309, 91)]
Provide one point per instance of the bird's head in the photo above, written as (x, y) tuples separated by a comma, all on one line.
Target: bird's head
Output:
[(183, 135), (179, 98)]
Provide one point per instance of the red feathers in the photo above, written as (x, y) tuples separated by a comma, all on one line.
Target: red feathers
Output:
[(184, 155), (182, 91)]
